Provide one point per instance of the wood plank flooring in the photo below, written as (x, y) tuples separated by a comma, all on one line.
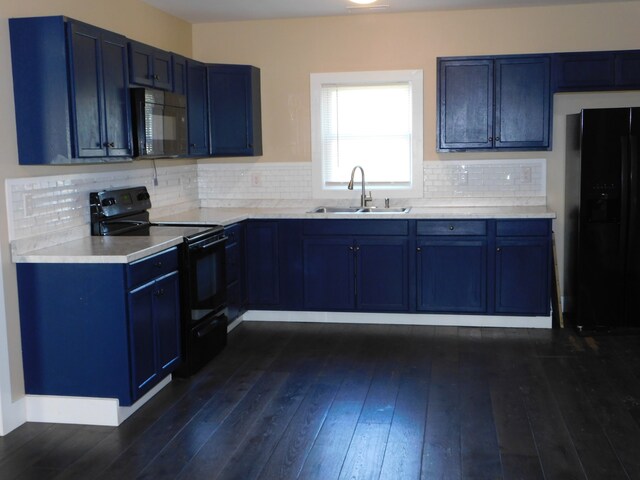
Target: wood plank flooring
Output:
[(331, 401)]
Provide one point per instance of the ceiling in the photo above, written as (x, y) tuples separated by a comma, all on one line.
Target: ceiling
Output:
[(202, 11)]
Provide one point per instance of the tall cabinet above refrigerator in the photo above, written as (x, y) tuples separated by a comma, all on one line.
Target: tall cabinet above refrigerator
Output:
[(602, 220)]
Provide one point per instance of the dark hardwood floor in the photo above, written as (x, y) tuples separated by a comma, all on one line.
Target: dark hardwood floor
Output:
[(330, 401)]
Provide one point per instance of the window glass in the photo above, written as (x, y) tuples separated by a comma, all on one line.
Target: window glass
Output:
[(370, 119)]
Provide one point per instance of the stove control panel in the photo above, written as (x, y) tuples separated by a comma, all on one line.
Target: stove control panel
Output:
[(113, 203)]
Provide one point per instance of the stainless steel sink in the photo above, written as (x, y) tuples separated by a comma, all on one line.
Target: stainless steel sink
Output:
[(363, 210), (384, 210), (335, 210)]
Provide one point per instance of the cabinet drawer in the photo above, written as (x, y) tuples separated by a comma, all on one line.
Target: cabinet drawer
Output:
[(521, 228), (356, 227), (452, 227), (148, 268)]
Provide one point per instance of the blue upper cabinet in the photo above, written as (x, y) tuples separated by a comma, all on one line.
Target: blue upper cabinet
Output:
[(235, 110), (197, 117), (150, 67), (465, 103), (488, 103), (595, 71), (101, 103), (179, 74), (71, 78)]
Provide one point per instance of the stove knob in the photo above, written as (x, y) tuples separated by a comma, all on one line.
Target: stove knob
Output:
[(143, 196), (107, 202)]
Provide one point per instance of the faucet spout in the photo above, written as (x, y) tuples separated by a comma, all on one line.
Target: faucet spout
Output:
[(363, 196)]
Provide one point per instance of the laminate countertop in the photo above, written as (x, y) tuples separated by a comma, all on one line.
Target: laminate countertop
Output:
[(127, 249), (228, 216)]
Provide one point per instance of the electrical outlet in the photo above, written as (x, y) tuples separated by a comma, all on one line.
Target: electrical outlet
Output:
[(256, 180), (525, 175)]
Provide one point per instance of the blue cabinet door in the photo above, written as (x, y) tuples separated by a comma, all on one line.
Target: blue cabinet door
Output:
[(465, 104), (150, 67), (88, 104), (116, 96), (522, 267), (382, 278), (234, 110), (166, 312), (154, 322), (452, 275), (523, 102), (100, 107), (236, 299), (262, 264), (197, 115), (144, 367), (329, 273), (179, 74)]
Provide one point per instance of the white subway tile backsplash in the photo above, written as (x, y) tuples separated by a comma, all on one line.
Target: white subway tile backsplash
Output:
[(42, 208), (58, 207)]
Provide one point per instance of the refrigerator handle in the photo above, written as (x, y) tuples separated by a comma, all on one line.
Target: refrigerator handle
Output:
[(632, 156), (626, 184)]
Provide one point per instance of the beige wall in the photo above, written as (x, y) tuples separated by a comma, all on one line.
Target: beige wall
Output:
[(287, 51), (132, 18)]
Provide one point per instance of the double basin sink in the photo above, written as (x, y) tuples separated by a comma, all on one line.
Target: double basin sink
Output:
[(363, 210)]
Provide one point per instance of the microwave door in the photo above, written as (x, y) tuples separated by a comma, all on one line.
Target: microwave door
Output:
[(175, 138), (154, 129)]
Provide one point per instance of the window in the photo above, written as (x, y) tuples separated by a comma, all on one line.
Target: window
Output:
[(371, 119)]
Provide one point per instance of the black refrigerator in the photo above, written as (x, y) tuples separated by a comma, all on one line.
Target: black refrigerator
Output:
[(602, 220)]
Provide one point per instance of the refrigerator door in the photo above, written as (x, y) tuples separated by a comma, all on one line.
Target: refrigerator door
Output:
[(632, 271), (603, 222)]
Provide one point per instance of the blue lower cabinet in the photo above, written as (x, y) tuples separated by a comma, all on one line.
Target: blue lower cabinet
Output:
[(382, 277), (273, 264), (356, 273), (522, 270), (236, 298), (263, 285), (154, 325), (452, 275), (89, 330), (329, 274)]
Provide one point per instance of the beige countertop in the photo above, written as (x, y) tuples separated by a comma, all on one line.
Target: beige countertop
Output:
[(126, 249), (100, 250), (227, 216)]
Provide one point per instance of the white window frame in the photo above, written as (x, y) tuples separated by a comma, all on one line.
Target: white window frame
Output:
[(415, 80)]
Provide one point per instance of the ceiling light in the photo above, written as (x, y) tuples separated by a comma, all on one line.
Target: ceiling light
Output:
[(363, 2)]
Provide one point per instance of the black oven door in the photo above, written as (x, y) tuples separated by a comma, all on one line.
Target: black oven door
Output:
[(204, 304), (207, 293)]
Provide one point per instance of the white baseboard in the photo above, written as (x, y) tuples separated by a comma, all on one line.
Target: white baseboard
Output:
[(399, 319), (84, 410)]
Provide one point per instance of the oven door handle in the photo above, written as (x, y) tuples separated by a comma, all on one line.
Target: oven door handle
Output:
[(208, 328), (210, 244)]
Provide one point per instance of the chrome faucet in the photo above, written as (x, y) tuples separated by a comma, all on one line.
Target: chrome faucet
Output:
[(363, 197)]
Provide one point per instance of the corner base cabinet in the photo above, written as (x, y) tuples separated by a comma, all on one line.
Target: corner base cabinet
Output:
[(99, 330)]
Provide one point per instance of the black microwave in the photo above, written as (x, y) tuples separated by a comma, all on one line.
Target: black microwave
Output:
[(159, 123)]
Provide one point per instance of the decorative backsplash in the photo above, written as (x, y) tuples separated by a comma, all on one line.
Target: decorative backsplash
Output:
[(59, 205), (41, 208), (451, 182)]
